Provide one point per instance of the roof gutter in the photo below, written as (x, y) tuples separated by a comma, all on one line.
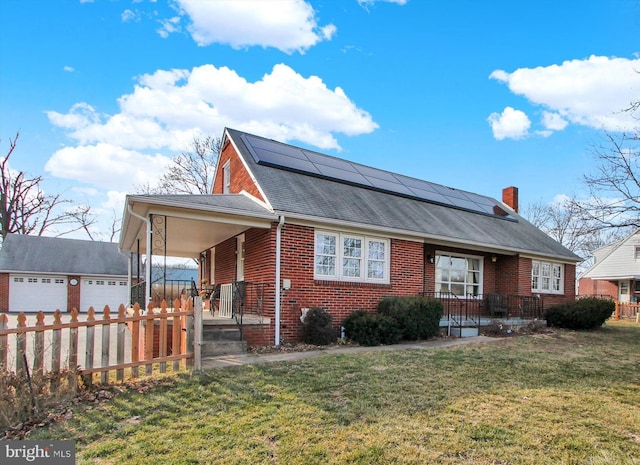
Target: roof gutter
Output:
[(147, 268), (278, 287)]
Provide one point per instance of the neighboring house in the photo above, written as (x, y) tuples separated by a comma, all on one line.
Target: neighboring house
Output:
[(321, 231), (48, 274), (615, 272)]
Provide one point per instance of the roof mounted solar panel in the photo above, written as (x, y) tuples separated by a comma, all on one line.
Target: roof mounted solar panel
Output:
[(272, 153)]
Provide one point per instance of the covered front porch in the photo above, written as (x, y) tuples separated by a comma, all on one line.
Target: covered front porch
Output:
[(159, 230)]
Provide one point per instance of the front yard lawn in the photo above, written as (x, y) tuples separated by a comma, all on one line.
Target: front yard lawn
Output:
[(560, 398)]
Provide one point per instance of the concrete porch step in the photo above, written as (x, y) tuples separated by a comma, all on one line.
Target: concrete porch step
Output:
[(216, 348), (220, 333)]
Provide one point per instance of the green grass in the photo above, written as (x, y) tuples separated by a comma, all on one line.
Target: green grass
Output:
[(563, 398)]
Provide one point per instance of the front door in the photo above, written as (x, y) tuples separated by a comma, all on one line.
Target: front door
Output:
[(623, 291)]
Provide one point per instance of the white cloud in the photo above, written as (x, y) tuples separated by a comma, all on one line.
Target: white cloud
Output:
[(510, 124), (169, 107), (590, 92), (169, 26), (129, 15), (366, 3), (106, 166), (289, 27), (69, 69), (553, 121)]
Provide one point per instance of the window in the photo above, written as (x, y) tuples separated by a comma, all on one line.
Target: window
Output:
[(460, 275), (636, 252), (226, 178), (349, 257), (99, 283), (59, 281), (624, 287), (18, 280), (111, 283), (123, 283), (547, 277), (32, 280)]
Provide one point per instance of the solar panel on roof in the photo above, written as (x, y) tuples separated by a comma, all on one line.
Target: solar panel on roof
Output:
[(268, 152)]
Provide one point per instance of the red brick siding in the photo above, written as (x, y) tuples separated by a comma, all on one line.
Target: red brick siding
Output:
[(4, 292), (409, 275), (73, 295), (240, 178), (588, 286)]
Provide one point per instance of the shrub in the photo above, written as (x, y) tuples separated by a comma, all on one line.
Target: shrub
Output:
[(369, 329), (416, 317), (317, 327), (588, 313)]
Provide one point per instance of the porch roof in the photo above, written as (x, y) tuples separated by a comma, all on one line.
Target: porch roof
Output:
[(194, 223)]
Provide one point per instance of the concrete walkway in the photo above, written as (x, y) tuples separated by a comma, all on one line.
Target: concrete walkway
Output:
[(252, 359)]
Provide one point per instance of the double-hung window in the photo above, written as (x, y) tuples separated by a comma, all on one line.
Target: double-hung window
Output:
[(350, 257), (460, 275), (547, 277)]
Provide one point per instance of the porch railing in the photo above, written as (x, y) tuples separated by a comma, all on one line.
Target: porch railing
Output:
[(626, 310), (474, 307)]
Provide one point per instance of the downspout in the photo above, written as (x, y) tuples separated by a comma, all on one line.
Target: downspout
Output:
[(278, 287), (147, 271)]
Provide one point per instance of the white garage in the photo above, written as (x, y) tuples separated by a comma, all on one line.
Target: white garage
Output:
[(49, 273), (31, 293), (99, 291)]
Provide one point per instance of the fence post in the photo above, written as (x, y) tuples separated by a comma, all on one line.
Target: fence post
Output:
[(73, 342), (21, 345), (106, 341), (38, 345), (56, 348), (194, 333), (162, 343), (148, 340), (3, 343), (135, 339), (122, 329), (176, 333), (616, 313), (90, 332)]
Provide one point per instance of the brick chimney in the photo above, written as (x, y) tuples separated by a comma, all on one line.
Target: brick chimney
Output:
[(510, 197)]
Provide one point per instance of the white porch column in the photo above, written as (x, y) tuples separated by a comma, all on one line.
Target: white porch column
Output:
[(278, 284)]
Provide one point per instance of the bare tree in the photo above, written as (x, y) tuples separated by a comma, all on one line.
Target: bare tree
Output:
[(192, 171), (26, 209), (614, 187)]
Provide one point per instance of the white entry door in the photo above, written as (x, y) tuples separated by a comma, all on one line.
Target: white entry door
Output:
[(623, 291)]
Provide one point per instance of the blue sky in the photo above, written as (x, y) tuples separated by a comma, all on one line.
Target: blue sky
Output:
[(476, 95)]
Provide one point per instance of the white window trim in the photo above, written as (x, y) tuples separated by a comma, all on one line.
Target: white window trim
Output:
[(465, 256), (226, 177), (363, 278), (540, 289)]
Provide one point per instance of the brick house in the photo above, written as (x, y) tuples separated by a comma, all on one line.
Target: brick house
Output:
[(615, 272), (315, 230), (48, 274)]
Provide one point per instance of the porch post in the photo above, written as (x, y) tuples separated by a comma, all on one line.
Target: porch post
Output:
[(147, 271), (278, 254)]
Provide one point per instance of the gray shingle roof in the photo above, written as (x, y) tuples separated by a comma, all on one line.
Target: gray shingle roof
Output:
[(38, 254), (300, 194)]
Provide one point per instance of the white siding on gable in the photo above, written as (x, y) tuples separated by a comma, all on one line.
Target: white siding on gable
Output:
[(620, 262)]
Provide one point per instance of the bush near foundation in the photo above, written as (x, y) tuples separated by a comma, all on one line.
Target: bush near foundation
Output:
[(588, 313), (371, 329), (317, 327), (416, 317)]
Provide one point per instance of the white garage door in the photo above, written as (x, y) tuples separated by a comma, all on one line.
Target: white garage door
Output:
[(34, 293), (101, 291)]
